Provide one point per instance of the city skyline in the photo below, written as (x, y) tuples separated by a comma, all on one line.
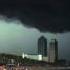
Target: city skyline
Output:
[(12, 33), (35, 34)]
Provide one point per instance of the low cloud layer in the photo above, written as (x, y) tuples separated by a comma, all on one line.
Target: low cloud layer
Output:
[(45, 15)]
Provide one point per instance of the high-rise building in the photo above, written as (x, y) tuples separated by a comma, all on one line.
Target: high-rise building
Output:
[(53, 51), (42, 46)]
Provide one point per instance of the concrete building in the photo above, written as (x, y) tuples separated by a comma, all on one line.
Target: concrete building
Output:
[(50, 56), (53, 51), (33, 56), (42, 46)]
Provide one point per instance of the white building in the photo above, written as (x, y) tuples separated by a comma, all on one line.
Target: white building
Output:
[(53, 51), (36, 57), (50, 56)]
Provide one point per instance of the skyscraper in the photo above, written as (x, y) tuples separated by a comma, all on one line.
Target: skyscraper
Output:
[(42, 46), (53, 51)]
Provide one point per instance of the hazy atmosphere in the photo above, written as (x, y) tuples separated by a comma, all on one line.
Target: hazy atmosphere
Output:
[(15, 38), (34, 34)]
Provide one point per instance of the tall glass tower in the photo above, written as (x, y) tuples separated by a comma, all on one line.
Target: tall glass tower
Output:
[(42, 46)]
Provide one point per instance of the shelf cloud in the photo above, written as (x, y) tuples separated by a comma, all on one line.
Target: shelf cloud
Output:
[(45, 15)]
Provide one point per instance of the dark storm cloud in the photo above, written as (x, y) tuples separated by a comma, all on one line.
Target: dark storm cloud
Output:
[(45, 15)]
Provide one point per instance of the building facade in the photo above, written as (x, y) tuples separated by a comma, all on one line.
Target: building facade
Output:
[(53, 51), (42, 46)]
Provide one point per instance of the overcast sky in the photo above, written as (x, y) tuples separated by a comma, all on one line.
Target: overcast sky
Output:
[(16, 39)]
